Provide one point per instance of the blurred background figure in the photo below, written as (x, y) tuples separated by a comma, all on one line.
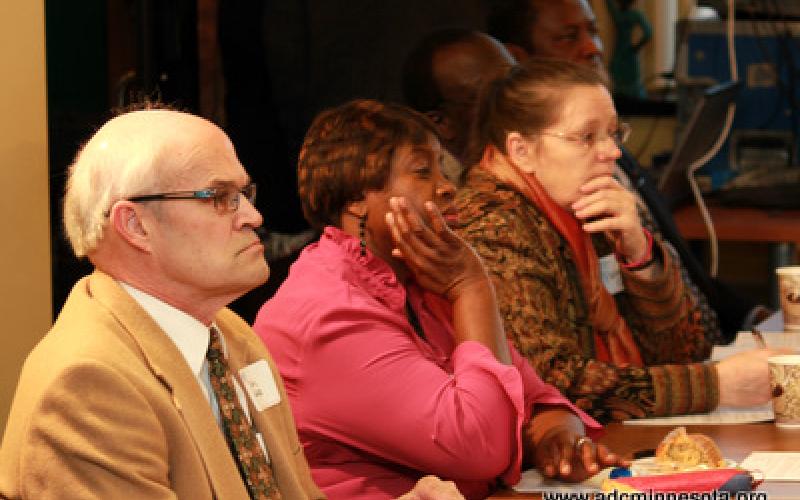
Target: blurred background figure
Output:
[(633, 33), (442, 78)]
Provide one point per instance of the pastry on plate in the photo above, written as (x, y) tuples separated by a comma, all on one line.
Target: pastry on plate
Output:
[(681, 451)]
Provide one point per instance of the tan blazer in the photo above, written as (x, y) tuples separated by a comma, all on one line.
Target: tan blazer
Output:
[(107, 408)]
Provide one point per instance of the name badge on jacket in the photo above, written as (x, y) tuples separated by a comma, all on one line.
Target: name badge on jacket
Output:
[(609, 272), (260, 385)]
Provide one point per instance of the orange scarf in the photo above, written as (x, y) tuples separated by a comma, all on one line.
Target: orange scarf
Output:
[(613, 339)]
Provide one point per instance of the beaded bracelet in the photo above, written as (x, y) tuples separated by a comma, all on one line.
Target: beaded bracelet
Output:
[(645, 261)]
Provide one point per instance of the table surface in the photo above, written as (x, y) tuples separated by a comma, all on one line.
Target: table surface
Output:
[(735, 441), (741, 224)]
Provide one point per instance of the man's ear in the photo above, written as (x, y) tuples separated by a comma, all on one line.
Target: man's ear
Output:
[(517, 52), (125, 218), (443, 124)]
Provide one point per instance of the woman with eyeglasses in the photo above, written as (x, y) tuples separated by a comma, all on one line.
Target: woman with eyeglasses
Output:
[(588, 295)]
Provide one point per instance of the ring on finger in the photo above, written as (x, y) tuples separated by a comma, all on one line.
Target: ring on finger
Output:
[(581, 441)]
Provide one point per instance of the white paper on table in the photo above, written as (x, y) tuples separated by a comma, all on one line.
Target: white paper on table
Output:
[(532, 481), (774, 323), (719, 416), (745, 342), (775, 465)]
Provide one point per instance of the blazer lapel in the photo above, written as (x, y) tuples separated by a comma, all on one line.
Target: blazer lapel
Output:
[(168, 365), (275, 423)]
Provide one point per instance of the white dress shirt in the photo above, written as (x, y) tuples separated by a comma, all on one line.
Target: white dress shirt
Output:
[(191, 337)]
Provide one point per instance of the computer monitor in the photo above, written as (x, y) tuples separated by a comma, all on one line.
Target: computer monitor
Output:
[(704, 126)]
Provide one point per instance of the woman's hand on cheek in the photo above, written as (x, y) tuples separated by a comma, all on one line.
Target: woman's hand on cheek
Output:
[(605, 206), (439, 259)]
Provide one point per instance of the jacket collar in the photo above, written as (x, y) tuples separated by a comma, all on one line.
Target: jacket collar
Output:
[(371, 273), (167, 364)]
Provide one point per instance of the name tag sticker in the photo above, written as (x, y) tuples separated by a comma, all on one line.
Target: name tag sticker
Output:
[(609, 271), (260, 385)]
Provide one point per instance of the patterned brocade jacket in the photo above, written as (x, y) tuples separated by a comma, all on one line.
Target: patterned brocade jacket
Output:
[(545, 312)]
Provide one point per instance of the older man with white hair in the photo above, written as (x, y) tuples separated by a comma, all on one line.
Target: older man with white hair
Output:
[(147, 386)]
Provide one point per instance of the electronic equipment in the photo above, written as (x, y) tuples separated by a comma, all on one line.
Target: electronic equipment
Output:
[(757, 9), (697, 136), (765, 129)]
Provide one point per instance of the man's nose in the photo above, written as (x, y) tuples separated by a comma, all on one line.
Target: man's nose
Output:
[(248, 214)]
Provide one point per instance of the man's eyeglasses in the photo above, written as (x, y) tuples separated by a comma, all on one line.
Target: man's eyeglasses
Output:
[(588, 140), (225, 199)]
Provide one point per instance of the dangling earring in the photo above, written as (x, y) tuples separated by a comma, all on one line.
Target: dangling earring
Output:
[(362, 236)]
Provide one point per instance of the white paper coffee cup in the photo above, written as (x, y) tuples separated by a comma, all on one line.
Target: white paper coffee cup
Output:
[(784, 380), (789, 287)]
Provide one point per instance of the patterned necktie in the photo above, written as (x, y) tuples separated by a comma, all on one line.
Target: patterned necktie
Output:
[(239, 433)]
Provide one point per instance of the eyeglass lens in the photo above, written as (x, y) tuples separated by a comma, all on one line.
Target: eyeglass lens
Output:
[(231, 200)]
